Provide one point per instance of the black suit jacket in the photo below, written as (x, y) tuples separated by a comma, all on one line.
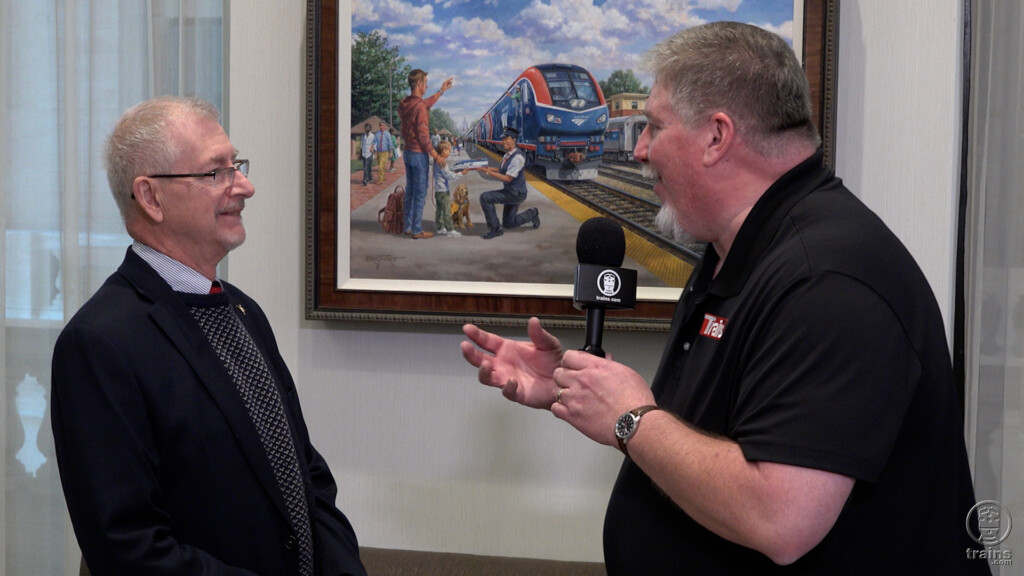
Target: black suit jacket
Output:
[(161, 465)]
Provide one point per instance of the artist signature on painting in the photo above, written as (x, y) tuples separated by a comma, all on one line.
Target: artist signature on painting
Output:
[(377, 260)]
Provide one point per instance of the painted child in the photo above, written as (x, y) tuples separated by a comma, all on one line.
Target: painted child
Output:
[(443, 177)]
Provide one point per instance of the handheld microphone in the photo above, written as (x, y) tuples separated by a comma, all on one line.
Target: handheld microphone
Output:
[(601, 283)]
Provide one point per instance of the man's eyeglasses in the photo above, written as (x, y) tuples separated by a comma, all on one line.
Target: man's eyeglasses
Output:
[(220, 175)]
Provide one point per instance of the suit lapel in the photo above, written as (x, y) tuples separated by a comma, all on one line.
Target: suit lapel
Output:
[(168, 311)]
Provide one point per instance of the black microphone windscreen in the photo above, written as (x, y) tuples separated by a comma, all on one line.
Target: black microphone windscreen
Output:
[(601, 242)]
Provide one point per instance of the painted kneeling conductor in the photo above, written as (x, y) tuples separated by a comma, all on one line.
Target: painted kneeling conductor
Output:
[(512, 172), (803, 418)]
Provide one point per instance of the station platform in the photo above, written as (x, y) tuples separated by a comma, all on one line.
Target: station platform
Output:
[(546, 255)]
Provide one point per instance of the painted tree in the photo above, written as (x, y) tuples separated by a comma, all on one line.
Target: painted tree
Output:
[(622, 81), (441, 120), (379, 73)]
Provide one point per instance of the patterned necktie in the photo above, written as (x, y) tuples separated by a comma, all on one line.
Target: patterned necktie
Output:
[(249, 370)]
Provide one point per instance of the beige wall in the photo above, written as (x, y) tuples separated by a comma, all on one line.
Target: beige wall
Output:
[(898, 125), (427, 459)]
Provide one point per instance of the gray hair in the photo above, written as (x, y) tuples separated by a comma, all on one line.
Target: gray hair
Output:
[(748, 72), (141, 143)]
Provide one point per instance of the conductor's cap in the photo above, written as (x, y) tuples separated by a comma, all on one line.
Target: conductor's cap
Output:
[(510, 132)]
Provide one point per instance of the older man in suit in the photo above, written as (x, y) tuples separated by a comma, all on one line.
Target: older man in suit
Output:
[(181, 444)]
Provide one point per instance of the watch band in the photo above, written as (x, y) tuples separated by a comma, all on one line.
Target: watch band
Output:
[(637, 413)]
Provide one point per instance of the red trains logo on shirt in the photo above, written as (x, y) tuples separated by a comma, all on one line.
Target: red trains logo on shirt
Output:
[(713, 326)]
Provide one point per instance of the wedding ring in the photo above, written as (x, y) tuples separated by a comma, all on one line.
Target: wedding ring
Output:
[(558, 395)]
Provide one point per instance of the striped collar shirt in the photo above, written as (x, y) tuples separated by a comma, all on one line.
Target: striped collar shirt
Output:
[(179, 276)]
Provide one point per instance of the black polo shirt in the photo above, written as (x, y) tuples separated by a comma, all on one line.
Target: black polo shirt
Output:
[(819, 344)]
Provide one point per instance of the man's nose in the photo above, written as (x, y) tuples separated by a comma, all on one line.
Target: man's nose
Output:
[(242, 185)]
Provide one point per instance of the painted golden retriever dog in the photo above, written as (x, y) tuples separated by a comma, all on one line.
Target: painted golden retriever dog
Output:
[(460, 207)]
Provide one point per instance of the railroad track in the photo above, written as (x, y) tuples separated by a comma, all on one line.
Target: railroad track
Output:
[(610, 163), (630, 211), (632, 177)]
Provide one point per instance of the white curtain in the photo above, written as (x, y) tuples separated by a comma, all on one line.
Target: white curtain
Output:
[(68, 69), (995, 265)]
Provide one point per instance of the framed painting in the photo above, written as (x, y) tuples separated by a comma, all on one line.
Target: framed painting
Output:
[(509, 67)]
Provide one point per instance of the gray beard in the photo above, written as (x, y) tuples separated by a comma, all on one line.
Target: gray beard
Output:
[(666, 221)]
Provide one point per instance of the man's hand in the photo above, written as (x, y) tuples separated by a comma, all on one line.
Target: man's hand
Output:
[(595, 392), (523, 370)]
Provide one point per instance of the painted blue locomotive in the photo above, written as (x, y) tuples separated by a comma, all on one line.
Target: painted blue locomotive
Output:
[(561, 116)]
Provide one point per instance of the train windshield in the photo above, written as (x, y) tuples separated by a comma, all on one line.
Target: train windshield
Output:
[(571, 89)]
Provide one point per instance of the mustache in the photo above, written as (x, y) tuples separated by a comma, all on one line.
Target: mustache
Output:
[(649, 172)]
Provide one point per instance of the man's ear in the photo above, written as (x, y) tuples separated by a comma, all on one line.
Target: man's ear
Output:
[(720, 135), (148, 199)]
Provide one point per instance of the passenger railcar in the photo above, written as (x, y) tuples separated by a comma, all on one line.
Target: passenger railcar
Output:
[(621, 136), (561, 116)]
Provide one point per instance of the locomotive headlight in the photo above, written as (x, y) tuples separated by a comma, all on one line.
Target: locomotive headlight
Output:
[(554, 119), (602, 118)]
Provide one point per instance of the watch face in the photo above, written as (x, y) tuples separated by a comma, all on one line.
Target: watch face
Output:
[(625, 425)]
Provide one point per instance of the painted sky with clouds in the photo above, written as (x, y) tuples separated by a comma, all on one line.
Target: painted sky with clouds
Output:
[(486, 44)]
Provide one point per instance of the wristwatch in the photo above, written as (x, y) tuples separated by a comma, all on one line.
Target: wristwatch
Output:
[(626, 425)]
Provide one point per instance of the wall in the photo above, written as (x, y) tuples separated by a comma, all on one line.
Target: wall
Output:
[(428, 459), (898, 124)]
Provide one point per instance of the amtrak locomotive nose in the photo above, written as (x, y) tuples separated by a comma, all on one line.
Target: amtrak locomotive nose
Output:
[(561, 115)]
